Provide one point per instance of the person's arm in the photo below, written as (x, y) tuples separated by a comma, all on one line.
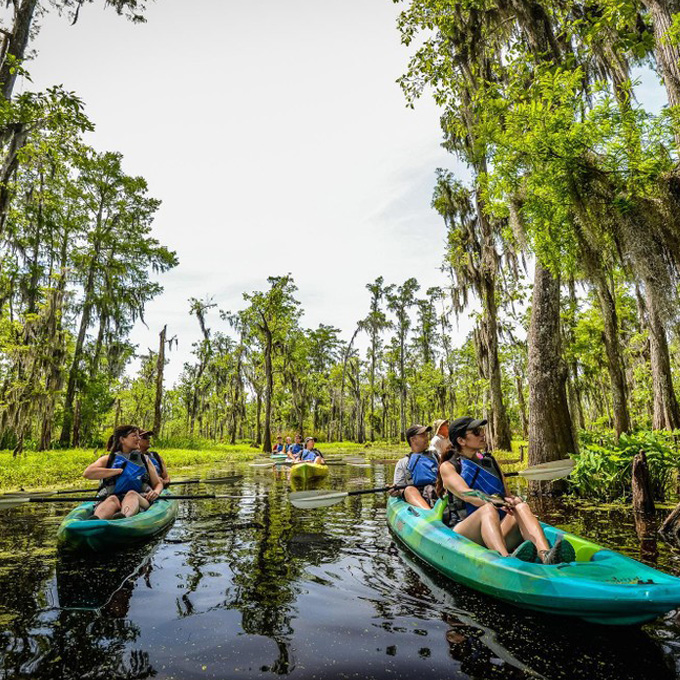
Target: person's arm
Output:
[(454, 483), (156, 481), (165, 477), (98, 469), (401, 475)]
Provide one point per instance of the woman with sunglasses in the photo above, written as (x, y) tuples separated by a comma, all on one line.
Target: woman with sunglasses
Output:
[(475, 486), (128, 482)]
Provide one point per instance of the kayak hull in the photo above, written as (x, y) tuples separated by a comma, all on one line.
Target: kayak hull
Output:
[(80, 532), (304, 472), (601, 586)]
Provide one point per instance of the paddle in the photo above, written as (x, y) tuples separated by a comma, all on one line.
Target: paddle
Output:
[(321, 499), (212, 480), (15, 501), (545, 471)]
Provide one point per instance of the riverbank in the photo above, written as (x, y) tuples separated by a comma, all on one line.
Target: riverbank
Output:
[(46, 470)]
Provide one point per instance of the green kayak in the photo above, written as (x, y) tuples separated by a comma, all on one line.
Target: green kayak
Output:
[(79, 531), (601, 586)]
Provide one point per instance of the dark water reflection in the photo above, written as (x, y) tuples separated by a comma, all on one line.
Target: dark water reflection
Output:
[(258, 589)]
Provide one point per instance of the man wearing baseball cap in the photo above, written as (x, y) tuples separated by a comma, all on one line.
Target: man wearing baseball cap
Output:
[(154, 456), (417, 471), (311, 454)]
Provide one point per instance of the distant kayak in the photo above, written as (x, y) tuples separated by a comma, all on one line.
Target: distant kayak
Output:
[(279, 456), (81, 531), (307, 471), (601, 586)]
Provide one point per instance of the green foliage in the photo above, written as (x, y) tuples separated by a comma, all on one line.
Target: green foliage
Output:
[(604, 466)]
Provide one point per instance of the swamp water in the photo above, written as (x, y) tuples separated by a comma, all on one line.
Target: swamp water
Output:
[(259, 589)]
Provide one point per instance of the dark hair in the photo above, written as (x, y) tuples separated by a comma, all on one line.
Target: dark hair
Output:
[(113, 445), (452, 452)]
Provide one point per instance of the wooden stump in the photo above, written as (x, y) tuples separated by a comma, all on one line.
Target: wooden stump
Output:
[(670, 529), (643, 500)]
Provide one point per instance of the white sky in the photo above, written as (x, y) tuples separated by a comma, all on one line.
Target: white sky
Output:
[(278, 140)]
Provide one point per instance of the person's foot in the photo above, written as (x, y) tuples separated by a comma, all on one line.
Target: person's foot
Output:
[(526, 552), (562, 551)]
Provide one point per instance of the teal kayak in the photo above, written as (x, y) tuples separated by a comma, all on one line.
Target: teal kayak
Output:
[(80, 531), (601, 586)]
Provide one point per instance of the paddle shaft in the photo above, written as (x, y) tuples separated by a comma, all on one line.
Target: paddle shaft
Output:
[(65, 499), (217, 480)]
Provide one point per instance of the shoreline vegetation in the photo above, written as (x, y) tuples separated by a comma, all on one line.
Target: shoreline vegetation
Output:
[(37, 471)]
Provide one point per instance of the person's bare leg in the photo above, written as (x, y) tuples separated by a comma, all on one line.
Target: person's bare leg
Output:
[(484, 527), (511, 532), (133, 503), (107, 508), (414, 497), (530, 527)]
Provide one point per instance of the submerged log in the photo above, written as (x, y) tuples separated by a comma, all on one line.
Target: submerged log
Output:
[(670, 529), (643, 499), (645, 528)]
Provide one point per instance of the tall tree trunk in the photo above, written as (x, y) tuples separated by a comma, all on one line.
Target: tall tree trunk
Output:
[(258, 435), (667, 52), (666, 410), (502, 437), (78, 353), (160, 367), (615, 366), (522, 405), (551, 435), (269, 390), (15, 45)]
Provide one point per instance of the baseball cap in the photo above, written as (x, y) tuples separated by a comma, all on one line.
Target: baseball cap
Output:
[(416, 429), (459, 426)]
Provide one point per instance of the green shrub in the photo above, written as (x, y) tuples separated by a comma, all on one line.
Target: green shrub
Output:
[(604, 466)]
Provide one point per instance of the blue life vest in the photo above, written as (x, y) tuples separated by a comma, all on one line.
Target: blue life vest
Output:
[(277, 448), (156, 460), (309, 456), (133, 477), (295, 448), (423, 469), (480, 477)]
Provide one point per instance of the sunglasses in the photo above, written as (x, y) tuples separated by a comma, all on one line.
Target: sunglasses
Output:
[(476, 431)]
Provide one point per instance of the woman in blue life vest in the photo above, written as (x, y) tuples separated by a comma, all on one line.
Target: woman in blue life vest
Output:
[(154, 456), (311, 454), (128, 481), (294, 450), (513, 526), (417, 471), (278, 447)]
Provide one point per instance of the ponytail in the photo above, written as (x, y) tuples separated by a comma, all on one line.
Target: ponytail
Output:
[(453, 454)]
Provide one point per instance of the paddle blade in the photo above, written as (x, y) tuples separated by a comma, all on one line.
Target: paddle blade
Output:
[(9, 502), (544, 472), (316, 499)]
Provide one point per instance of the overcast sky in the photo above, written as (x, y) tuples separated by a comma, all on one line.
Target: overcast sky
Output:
[(278, 140)]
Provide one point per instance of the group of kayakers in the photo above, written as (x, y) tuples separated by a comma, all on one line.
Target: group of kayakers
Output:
[(297, 451), (450, 461), (130, 475)]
